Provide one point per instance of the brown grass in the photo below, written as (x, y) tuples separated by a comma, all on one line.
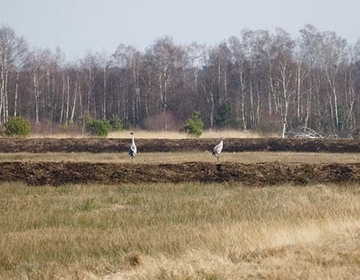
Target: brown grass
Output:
[(156, 158), (183, 231), (162, 134)]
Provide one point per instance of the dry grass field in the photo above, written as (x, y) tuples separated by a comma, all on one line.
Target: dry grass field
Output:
[(173, 158), (187, 230), (177, 135), (143, 134), (179, 231)]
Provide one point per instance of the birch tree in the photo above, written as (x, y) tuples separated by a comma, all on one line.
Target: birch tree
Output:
[(129, 62), (257, 50), (310, 51), (283, 61), (240, 69), (301, 77), (196, 53), (36, 63), (164, 57), (12, 51), (89, 65), (332, 56)]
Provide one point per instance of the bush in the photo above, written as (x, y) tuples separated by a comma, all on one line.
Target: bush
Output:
[(17, 126), (194, 125), (116, 124), (99, 127), (226, 118)]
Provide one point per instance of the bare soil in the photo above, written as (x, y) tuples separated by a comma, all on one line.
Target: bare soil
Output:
[(258, 174), (106, 145)]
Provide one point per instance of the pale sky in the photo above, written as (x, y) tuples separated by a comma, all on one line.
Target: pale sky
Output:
[(77, 26)]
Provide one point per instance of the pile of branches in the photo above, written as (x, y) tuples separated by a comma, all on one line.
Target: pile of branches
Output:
[(308, 133), (304, 133)]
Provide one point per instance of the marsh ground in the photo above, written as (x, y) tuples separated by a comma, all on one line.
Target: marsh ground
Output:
[(179, 231)]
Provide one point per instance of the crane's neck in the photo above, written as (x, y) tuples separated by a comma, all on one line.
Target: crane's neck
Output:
[(132, 139)]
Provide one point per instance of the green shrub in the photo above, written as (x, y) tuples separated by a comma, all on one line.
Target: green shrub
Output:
[(17, 126), (194, 125), (226, 118), (98, 127), (116, 124)]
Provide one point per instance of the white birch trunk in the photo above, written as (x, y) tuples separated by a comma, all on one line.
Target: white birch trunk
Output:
[(36, 96), (104, 95), (285, 98), (332, 84), (90, 90), (67, 100), (77, 90), (242, 96), (62, 100), (16, 94), (252, 110), (6, 97), (2, 84)]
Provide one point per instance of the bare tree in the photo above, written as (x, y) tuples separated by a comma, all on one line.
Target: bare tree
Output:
[(310, 51), (257, 49), (283, 59), (129, 62), (90, 66), (332, 56), (301, 76), (196, 53), (165, 58), (12, 50), (240, 69), (37, 60)]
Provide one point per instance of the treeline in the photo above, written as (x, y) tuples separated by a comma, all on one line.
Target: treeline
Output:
[(258, 80)]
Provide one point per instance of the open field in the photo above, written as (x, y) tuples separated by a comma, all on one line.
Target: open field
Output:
[(248, 161), (179, 231), (178, 213)]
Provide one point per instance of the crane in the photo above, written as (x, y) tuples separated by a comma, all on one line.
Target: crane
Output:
[(218, 148), (133, 149)]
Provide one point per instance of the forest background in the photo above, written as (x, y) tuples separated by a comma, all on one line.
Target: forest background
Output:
[(259, 81)]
